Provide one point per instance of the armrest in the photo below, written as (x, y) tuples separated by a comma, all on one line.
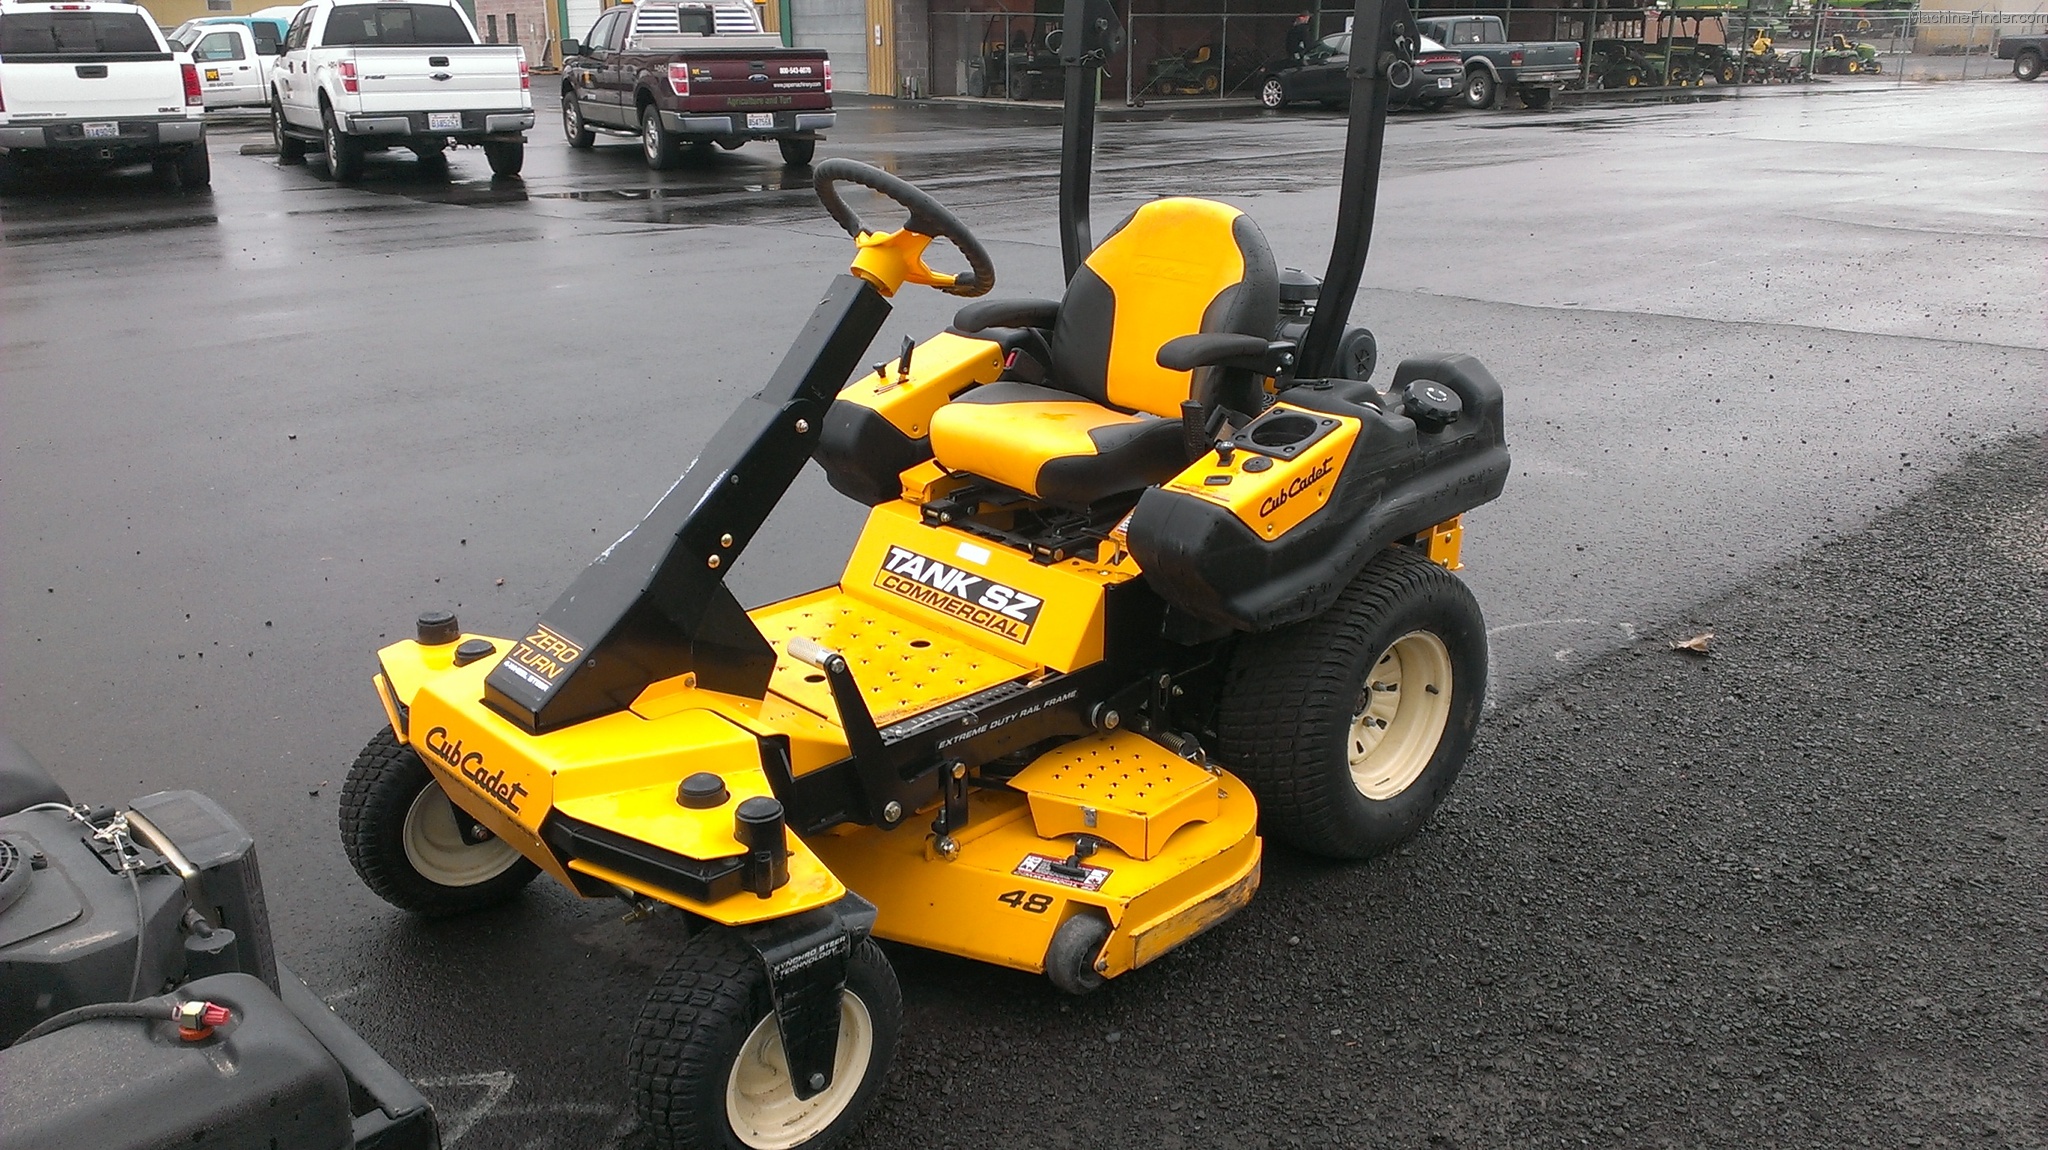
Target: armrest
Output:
[(1226, 349), (1005, 313)]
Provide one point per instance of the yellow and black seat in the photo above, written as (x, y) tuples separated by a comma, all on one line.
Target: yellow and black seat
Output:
[(1108, 420)]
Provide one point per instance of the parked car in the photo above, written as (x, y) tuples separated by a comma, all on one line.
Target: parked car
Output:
[(1437, 78), (360, 76), (87, 82), (1532, 71), (2026, 54), (233, 55), (681, 75)]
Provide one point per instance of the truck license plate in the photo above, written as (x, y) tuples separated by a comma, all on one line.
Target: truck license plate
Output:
[(102, 131), (444, 121), (1444, 83), (760, 119)]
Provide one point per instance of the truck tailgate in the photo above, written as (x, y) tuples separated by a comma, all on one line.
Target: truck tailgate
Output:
[(439, 79), (1553, 55), (757, 79), (86, 86)]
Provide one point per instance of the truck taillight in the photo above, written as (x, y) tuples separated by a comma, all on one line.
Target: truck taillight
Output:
[(828, 75), (348, 77), (1577, 54), (1515, 58), (679, 79), (194, 96), (525, 77)]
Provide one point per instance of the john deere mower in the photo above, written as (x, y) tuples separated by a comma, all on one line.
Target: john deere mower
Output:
[(1148, 570)]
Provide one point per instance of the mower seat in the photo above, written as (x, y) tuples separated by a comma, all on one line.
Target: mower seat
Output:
[(1108, 420)]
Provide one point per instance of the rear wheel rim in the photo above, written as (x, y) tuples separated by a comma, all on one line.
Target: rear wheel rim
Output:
[(434, 845), (761, 1105), (1401, 716), (1270, 94), (650, 136)]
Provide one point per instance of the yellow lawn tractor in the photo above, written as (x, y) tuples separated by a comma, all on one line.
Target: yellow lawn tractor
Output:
[(1147, 570)]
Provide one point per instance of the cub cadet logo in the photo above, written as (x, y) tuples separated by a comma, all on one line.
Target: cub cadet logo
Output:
[(1295, 486), (470, 764), (983, 602), (543, 657)]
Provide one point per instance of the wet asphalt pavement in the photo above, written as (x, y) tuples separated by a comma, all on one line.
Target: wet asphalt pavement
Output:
[(250, 433)]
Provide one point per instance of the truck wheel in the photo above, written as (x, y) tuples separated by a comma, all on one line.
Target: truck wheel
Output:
[(797, 153), (290, 149), (505, 157), (1535, 99), (10, 172), (2027, 65), (433, 162), (706, 1062), (580, 135), (1273, 93), (344, 153), (402, 835), (1479, 88), (1350, 727), (194, 166), (655, 141)]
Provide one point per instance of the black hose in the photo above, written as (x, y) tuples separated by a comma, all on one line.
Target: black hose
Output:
[(163, 1009)]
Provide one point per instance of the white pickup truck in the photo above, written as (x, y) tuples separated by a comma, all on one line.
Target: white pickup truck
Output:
[(95, 83), (359, 75), (233, 55)]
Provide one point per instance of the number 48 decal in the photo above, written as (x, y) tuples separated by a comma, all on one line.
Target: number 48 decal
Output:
[(1034, 903)]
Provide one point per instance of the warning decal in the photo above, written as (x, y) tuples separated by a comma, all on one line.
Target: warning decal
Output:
[(1041, 867)]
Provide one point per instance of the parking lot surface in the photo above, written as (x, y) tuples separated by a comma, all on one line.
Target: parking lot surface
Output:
[(1789, 893)]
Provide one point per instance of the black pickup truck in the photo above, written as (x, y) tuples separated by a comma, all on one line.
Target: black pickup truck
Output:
[(693, 75), (1534, 71), (2026, 54)]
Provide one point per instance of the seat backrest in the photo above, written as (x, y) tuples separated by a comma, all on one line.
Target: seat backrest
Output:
[(1174, 267)]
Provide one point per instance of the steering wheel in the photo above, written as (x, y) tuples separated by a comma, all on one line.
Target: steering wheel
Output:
[(928, 217)]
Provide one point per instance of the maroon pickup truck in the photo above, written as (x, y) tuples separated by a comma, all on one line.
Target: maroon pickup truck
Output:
[(693, 75)]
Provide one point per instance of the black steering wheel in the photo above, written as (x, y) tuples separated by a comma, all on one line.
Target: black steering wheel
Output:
[(928, 217)]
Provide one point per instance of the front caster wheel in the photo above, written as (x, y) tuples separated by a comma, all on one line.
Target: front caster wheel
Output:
[(1350, 727), (408, 842), (707, 1067)]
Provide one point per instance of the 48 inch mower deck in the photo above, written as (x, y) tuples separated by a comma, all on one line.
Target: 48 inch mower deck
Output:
[(1143, 573)]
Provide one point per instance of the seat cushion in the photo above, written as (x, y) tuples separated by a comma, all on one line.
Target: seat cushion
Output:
[(1055, 445)]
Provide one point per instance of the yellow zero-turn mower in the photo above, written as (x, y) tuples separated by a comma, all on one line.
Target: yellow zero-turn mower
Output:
[(1145, 569)]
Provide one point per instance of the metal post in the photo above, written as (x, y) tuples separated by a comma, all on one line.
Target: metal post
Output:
[(1130, 100), (1820, 12), (1222, 48)]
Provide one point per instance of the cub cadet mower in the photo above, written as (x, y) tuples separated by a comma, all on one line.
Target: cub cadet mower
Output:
[(1142, 571)]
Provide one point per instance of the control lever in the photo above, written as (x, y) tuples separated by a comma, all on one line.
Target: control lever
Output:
[(1075, 865)]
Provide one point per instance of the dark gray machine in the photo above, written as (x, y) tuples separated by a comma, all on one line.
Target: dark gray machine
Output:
[(119, 928)]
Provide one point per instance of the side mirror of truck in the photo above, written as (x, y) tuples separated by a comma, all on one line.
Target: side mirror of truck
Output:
[(571, 48)]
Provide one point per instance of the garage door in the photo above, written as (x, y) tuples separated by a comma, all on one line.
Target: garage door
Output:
[(840, 27), (582, 14)]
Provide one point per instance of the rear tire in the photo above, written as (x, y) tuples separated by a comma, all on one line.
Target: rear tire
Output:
[(656, 144), (797, 153), (706, 1062), (194, 166), (2027, 66), (505, 158), (1535, 99), (344, 153), (290, 149), (1479, 88), (580, 134), (1351, 727), (400, 833)]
